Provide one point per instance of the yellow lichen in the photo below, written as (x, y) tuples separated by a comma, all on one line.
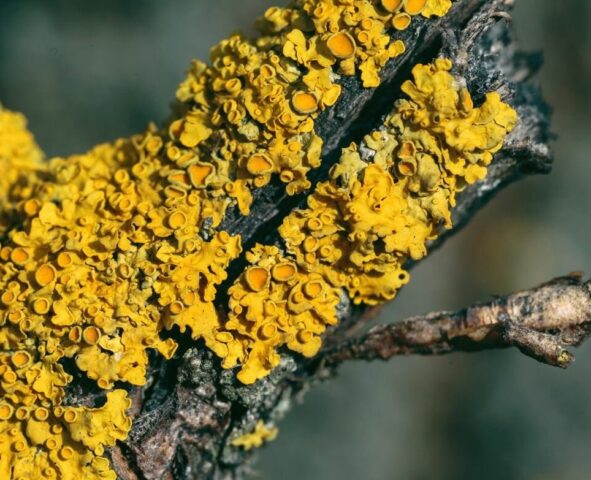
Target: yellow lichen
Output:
[(96, 428), (274, 304), (106, 255), (341, 45), (20, 158), (362, 226), (249, 104), (436, 8), (414, 7), (365, 223), (101, 252), (255, 439), (39, 438), (401, 21), (355, 235), (304, 102), (391, 6), (378, 210)]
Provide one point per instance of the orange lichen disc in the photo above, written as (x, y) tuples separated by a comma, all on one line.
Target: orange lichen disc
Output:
[(8, 297), (414, 7), (31, 207), (19, 256), (259, 164), (391, 5), (177, 220), (41, 414), (198, 173), (70, 415), (341, 45), (313, 289), (45, 274), (20, 359), (66, 453), (268, 330), (284, 271), (91, 335), (407, 167), (6, 411), (176, 307), (401, 21), (304, 102), (64, 260), (75, 334), (407, 150), (257, 278)]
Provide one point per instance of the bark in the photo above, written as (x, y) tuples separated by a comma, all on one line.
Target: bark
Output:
[(541, 323), (191, 409)]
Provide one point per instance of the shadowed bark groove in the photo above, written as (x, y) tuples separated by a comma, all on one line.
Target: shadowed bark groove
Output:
[(190, 410)]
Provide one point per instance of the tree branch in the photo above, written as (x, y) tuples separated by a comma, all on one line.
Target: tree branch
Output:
[(540, 322), (187, 416), (191, 409)]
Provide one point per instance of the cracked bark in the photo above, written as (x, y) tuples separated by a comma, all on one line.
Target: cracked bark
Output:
[(191, 409)]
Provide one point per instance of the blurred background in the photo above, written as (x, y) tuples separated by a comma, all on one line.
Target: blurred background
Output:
[(86, 72)]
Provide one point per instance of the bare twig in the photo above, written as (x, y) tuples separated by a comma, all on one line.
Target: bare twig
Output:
[(540, 322)]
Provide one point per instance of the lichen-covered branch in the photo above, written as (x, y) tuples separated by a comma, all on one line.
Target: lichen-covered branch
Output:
[(541, 323), (346, 140), (222, 411)]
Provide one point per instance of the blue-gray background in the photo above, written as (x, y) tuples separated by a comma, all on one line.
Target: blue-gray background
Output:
[(86, 72)]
